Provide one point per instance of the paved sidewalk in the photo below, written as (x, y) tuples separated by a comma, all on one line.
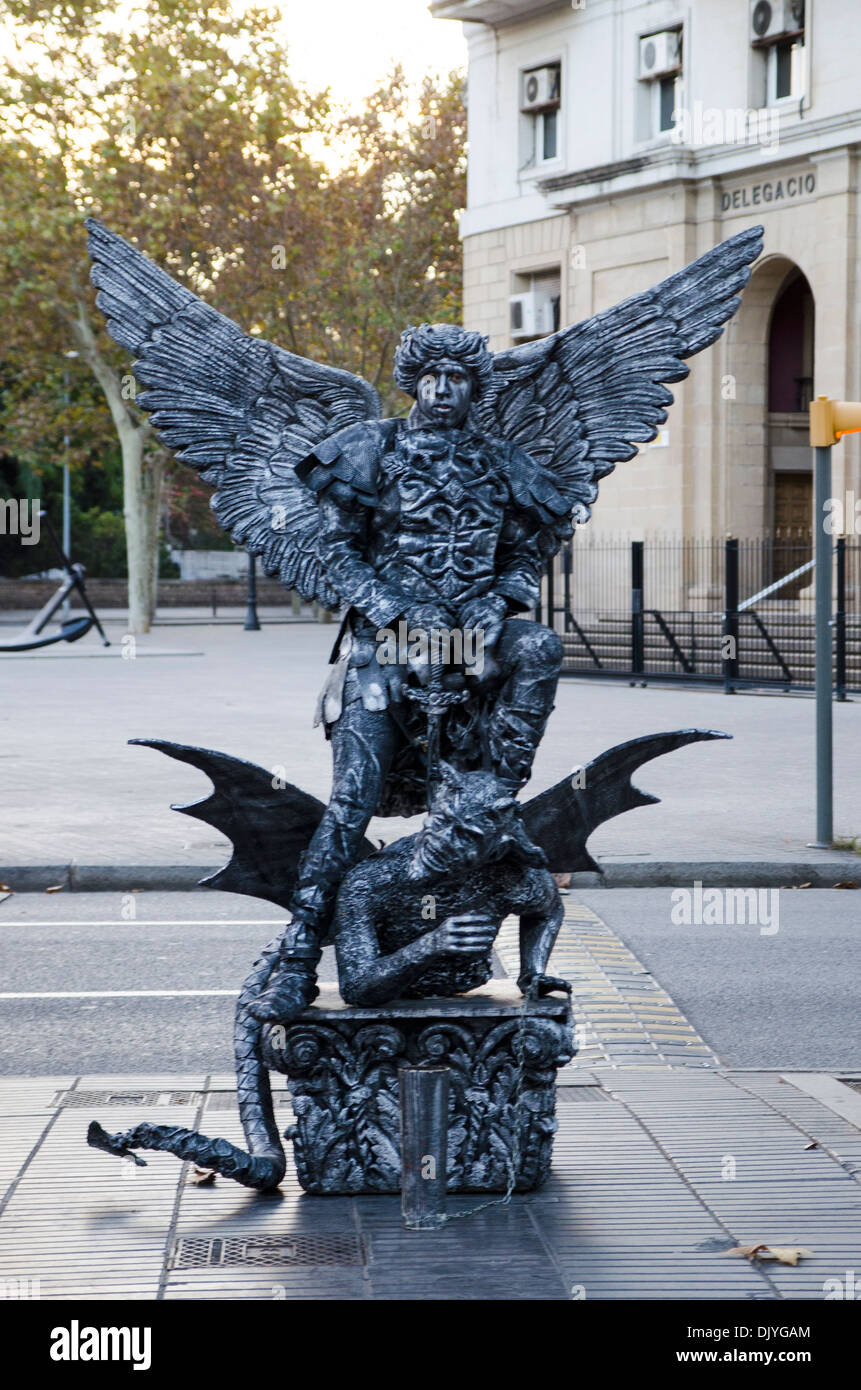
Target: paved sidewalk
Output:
[(83, 808), (664, 1160), (640, 1203)]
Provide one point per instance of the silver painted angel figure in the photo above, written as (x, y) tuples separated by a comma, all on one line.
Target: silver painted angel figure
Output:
[(441, 522)]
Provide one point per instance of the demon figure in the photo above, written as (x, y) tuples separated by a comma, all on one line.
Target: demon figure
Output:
[(481, 854)]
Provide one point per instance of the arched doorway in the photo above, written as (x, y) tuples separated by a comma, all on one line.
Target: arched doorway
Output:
[(789, 390), (769, 357)]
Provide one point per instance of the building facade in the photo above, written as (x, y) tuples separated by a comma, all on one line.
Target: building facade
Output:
[(611, 142)]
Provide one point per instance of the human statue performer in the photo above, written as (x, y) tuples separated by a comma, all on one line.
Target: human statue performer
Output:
[(440, 523), (427, 526)]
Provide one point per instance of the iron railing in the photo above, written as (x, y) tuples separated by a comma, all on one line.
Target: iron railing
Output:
[(736, 612)]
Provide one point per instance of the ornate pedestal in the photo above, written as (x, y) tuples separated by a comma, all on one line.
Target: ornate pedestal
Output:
[(342, 1069)]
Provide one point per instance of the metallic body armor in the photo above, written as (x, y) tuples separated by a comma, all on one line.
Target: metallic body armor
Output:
[(411, 517)]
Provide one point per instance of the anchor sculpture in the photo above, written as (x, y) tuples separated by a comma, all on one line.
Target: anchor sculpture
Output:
[(33, 635)]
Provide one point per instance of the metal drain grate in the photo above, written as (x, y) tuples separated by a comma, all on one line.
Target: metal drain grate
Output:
[(76, 1100), (202, 1252), (569, 1095), (226, 1100)]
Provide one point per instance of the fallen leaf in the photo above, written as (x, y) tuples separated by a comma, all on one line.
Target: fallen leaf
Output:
[(57, 888), (847, 883), (562, 880), (202, 1177), (783, 1254), (805, 885), (4, 888), (813, 1145)]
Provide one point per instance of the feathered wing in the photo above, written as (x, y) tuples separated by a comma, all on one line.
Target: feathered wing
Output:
[(240, 410), (581, 400)]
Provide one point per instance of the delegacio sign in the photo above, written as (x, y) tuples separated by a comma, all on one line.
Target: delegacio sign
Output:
[(788, 188)]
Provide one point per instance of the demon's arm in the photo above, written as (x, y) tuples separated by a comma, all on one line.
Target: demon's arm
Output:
[(541, 912), (366, 976)]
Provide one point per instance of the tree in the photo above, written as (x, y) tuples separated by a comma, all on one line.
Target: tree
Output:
[(387, 251), (174, 127), (180, 127)]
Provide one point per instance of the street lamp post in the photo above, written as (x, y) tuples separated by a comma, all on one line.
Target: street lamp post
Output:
[(67, 481), (829, 421), (252, 622)]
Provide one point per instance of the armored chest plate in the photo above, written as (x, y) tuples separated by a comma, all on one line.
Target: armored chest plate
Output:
[(451, 496)]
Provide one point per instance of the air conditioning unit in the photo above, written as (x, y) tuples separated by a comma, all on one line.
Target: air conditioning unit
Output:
[(771, 19), (531, 314), (660, 54), (539, 89)]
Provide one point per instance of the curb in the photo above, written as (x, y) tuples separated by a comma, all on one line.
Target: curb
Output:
[(725, 873), (620, 873)]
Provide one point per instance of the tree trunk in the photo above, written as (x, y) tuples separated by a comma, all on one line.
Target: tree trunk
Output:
[(141, 478), (153, 474), (138, 551)]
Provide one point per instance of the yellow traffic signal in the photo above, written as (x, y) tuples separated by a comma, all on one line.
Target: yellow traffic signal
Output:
[(830, 420)]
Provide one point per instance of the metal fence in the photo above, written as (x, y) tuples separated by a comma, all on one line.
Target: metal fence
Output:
[(738, 612)]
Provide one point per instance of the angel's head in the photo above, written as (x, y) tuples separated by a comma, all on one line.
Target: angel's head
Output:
[(445, 368)]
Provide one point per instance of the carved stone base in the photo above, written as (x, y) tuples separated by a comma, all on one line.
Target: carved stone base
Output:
[(342, 1069)]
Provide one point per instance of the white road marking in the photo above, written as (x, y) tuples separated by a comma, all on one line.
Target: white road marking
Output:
[(127, 994), (159, 922)]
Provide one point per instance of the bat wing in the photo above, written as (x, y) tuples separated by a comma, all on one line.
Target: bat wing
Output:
[(561, 819), (268, 822)]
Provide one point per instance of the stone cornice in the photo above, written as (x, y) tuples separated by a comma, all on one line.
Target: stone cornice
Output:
[(670, 161), (496, 13)]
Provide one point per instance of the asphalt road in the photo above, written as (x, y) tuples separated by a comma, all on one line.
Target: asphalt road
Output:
[(178, 941), (790, 1000)]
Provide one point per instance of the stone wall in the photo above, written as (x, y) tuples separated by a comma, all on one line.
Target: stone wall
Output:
[(31, 594)]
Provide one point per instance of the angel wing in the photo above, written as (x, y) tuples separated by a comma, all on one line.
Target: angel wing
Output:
[(580, 400), (240, 410)]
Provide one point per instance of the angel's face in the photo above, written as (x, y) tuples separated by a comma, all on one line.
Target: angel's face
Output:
[(444, 394)]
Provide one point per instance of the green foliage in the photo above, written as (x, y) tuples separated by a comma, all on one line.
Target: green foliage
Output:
[(178, 124)]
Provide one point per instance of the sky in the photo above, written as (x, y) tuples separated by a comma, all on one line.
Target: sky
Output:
[(348, 44)]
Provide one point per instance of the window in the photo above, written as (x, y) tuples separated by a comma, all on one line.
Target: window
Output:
[(777, 37), (549, 134), (785, 70), (667, 89), (659, 75), (540, 101), (534, 307)]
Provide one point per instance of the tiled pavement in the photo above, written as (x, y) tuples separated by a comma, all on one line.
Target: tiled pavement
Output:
[(623, 1016), (663, 1160)]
